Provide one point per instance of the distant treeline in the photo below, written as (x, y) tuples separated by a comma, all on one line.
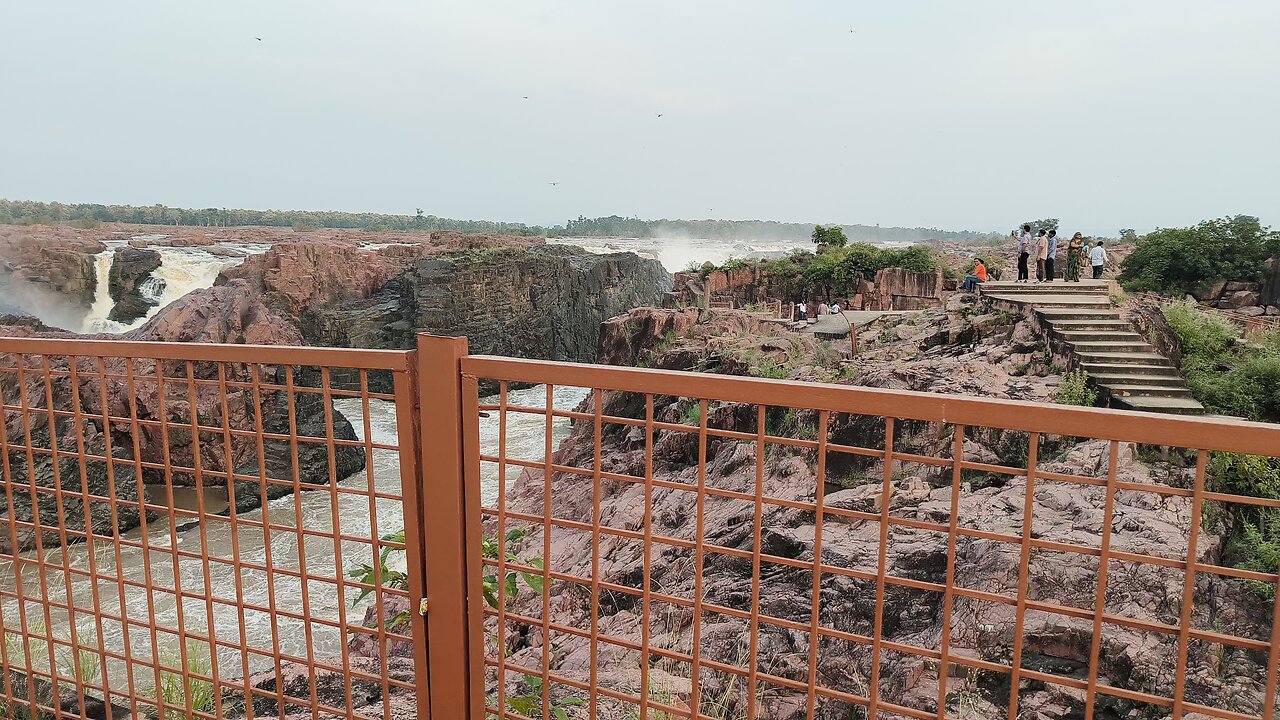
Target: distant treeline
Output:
[(754, 230), (31, 212)]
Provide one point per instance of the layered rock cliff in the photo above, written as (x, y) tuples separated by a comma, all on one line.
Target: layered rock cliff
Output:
[(540, 301), (130, 268)]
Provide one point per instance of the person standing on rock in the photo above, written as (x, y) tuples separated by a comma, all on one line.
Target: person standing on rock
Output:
[(802, 311), (1042, 251), (1024, 252), (823, 309), (1098, 259), (1075, 258), (1050, 255)]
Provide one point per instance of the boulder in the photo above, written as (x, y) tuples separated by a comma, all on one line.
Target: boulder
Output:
[(1273, 310), (1209, 292), (69, 513), (1253, 310), (1232, 287), (130, 268), (1240, 299)]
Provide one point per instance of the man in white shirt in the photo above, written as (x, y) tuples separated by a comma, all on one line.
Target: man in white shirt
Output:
[(1024, 251), (1098, 259)]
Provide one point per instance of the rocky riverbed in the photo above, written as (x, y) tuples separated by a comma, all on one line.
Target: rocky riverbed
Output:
[(959, 348)]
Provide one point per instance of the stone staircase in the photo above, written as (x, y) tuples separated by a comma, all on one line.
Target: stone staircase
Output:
[(1079, 320)]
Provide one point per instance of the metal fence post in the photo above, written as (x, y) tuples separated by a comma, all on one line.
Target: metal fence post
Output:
[(454, 645)]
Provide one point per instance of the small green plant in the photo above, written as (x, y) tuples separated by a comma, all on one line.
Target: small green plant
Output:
[(530, 703), (824, 354), (489, 583), (1119, 298), (181, 696), (1074, 389), (692, 414)]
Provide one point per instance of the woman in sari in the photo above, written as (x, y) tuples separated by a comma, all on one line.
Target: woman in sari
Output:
[(1075, 256)]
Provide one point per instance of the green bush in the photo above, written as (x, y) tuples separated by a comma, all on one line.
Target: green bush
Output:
[(1187, 260), (1227, 376), (1255, 544), (1074, 389)]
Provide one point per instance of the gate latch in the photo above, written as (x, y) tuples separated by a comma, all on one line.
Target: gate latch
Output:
[(422, 607)]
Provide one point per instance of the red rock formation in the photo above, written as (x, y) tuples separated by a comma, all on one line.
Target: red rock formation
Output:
[(295, 276), (55, 258), (901, 289)]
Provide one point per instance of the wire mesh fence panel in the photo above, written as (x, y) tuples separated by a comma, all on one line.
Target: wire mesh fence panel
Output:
[(670, 545), (204, 531)]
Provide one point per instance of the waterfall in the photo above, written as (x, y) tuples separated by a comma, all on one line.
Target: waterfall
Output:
[(96, 320), (182, 269)]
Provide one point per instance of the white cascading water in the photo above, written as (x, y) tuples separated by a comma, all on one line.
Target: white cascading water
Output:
[(182, 269), (526, 439)]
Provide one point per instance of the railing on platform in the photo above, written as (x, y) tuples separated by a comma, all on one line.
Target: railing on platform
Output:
[(690, 552), (180, 524)]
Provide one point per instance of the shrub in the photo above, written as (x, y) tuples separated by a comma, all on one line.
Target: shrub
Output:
[(1187, 260), (1074, 389), (1227, 376)]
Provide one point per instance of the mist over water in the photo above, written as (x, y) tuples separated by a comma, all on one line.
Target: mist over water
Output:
[(680, 253)]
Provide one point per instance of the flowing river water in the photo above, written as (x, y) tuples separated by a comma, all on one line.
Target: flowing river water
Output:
[(182, 270), (525, 439)]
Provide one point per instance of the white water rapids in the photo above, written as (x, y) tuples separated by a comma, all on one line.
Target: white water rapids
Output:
[(182, 269), (215, 537)]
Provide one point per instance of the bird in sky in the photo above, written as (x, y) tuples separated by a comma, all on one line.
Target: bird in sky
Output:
[(659, 114), (553, 183), (258, 39), (526, 97)]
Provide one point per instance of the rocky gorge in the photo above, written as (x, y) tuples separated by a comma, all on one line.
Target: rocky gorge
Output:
[(511, 295), (960, 348)]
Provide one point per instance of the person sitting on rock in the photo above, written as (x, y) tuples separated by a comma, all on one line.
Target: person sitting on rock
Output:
[(979, 276), (823, 309), (835, 308)]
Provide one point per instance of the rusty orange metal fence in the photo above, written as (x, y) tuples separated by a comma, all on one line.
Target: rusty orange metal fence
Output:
[(225, 532), (200, 531), (687, 554)]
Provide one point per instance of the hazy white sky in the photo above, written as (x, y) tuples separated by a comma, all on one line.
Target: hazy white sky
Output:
[(974, 114)]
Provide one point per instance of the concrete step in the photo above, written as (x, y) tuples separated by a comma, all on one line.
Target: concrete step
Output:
[(1119, 377), (1054, 299), (1004, 286), (1068, 313), (1103, 367), (1079, 336), (1174, 406), (1114, 346), (1123, 358), (1169, 391), (1103, 324)]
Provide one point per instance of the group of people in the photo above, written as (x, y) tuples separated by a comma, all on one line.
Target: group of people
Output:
[(802, 309), (1045, 248)]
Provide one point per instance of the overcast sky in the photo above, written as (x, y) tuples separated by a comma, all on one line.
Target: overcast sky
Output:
[(974, 114)]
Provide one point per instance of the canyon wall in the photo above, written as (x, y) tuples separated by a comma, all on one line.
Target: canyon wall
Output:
[(545, 302)]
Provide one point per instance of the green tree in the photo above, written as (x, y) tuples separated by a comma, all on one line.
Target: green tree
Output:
[(1187, 260), (1128, 235), (1037, 225), (829, 236)]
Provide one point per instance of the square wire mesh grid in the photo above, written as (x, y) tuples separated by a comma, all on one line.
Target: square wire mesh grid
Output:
[(691, 557), (195, 538)]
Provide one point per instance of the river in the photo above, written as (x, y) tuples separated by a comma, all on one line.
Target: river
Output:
[(216, 537)]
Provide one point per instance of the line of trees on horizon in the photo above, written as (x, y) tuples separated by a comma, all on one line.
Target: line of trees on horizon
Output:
[(30, 212)]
